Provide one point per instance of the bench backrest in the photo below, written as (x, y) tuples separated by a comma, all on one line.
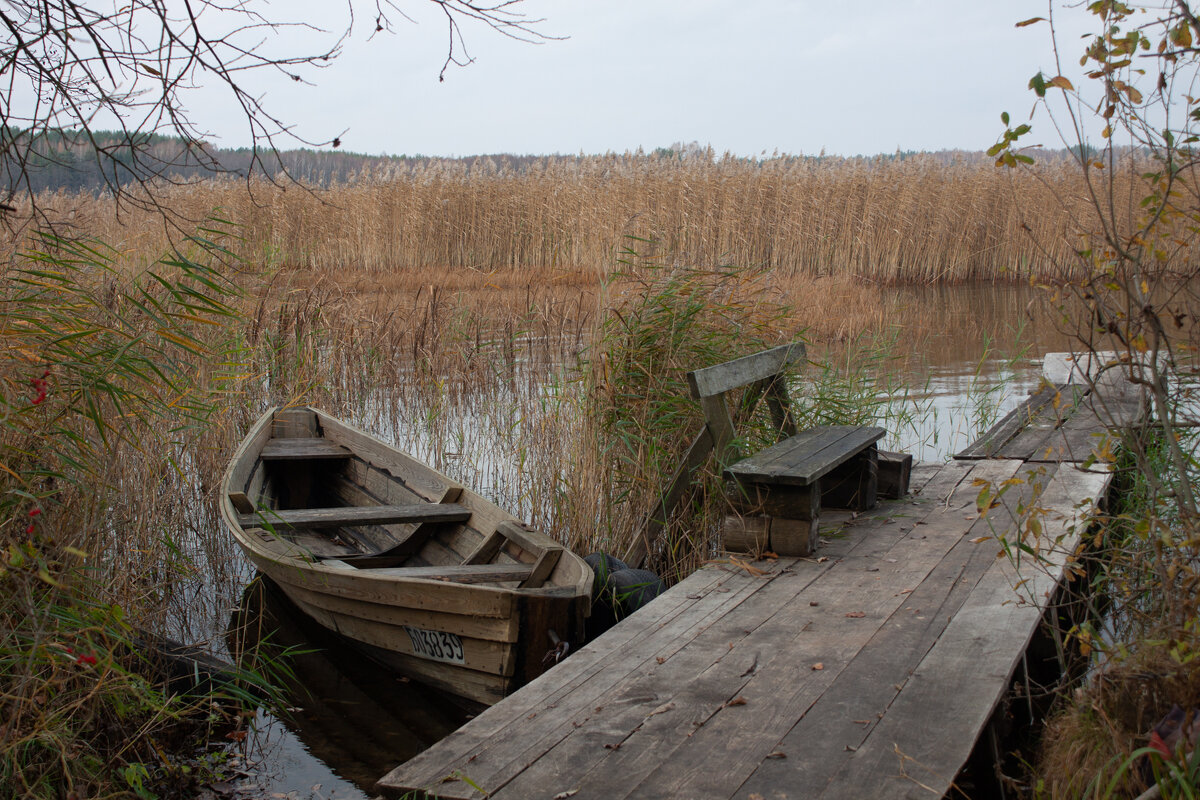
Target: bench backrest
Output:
[(764, 372), (740, 372)]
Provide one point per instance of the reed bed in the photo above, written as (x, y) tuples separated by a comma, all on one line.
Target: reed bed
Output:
[(891, 220)]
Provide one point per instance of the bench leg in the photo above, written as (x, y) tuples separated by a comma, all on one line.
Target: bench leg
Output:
[(855, 484), (787, 521), (756, 534)]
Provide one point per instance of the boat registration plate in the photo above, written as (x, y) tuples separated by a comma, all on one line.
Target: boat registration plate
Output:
[(436, 645)]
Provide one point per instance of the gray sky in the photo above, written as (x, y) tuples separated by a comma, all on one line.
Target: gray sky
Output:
[(746, 76)]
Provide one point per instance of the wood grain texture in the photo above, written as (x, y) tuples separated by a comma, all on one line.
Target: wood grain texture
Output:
[(810, 454), (302, 450), (721, 378), (357, 515)]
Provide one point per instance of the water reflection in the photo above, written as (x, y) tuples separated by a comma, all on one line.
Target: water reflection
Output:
[(350, 721)]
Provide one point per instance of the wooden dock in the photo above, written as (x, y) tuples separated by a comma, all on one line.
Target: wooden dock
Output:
[(869, 669)]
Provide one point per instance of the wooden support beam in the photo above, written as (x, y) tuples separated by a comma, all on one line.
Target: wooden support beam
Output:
[(677, 488)]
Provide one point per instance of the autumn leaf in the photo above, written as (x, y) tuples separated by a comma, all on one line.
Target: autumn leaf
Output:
[(855, 614)]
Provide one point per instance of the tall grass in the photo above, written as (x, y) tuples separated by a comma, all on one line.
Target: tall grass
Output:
[(112, 404), (921, 219)]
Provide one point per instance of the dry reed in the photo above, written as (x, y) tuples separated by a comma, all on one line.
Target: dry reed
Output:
[(919, 219)]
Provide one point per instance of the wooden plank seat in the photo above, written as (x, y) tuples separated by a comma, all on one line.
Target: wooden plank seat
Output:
[(464, 573), (834, 465), (356, 515), (303, 449)]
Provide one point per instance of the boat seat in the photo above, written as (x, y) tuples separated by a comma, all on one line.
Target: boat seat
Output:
[(302, 450), (356, 515), (463, 573)]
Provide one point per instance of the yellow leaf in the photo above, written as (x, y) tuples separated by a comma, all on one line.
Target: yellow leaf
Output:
[(1030, 21), (1059, 82)]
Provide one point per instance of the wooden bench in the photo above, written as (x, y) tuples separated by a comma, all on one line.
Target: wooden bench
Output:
[(829, 465), (834, 465)]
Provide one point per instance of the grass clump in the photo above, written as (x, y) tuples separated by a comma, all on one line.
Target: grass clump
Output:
[(1141, 639), (661, 322)]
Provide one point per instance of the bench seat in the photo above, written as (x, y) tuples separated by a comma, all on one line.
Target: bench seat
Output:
[(806, 457)]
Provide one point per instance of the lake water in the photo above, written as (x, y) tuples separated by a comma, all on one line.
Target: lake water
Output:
[(978, 359)]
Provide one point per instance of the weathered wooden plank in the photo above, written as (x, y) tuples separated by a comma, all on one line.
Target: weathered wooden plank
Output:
[(486, 550), (288, 423), (721, 378), (546, 561), (417, 477), (302, 450), (1034, 437), (990, 443), (529, 541), (462, 573), (356, 515), (806, 456), (720, 424), (478, 627), (241, 466)]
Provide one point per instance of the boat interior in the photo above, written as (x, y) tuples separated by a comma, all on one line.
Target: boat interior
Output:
[(363, 505)]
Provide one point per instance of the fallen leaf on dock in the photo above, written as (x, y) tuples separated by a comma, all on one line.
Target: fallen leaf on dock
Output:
[(737, 701), (777, 754), (856, 614), (566, 794), (664, 708), (818, 666), (660, 659), (979, 539), (616, 746)]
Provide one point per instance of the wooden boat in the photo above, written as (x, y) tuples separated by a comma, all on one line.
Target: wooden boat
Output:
[(434, 580)]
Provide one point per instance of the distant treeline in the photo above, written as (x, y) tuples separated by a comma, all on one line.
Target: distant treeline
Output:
[(75, 161)]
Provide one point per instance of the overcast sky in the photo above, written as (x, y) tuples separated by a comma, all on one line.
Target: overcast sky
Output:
[(745, 76)]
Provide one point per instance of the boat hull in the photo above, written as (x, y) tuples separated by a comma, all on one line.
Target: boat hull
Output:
[(468, 606)]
